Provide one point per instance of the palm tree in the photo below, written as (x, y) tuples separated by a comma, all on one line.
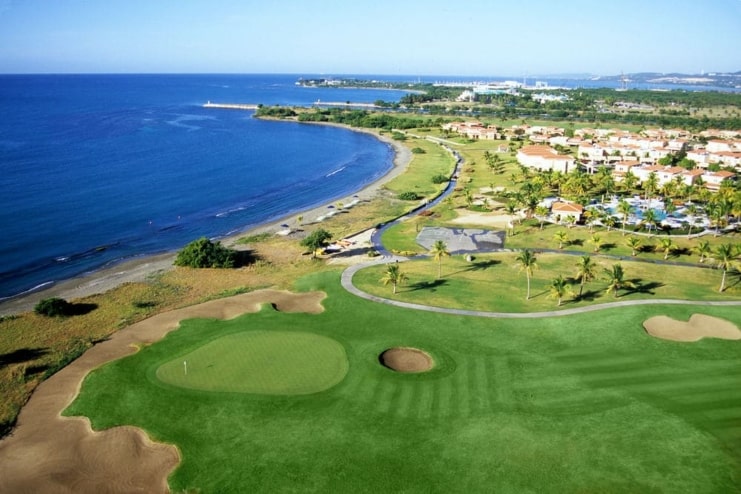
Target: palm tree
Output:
[(527, 263), (559, 287), (562, 237), (468, 196), (586, 271), (634, 243), (702, 249), (608, 221), (624, 208), (616, 279), (717, 216), (649, 219), (629, 180), (541, 212), (511, 209), (691, 211), (595, 240), (531, 204), (666, 246), (393, 275), (438, 251), (725, 259), (650, 185)]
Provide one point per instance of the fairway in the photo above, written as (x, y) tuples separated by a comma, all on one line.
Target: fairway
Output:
[(581, 403), (263, 362)]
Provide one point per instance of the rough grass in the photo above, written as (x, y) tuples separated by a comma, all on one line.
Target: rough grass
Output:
[(418, 177), (573, 404)]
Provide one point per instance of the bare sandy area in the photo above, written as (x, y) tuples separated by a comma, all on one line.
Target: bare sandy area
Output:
[(139, 269), (48, 453), (699, 326), (485, 219)]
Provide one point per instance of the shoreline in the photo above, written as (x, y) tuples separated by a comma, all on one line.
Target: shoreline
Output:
[(140, 268)]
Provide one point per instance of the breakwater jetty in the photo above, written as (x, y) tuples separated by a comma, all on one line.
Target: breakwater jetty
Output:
[(231, 106), (346, 104)]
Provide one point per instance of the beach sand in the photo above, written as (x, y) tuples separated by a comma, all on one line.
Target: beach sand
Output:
[(138, 270)]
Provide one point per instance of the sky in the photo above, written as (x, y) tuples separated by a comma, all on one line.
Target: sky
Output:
[(399, 37)]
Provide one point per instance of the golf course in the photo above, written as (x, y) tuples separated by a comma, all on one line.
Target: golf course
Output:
[(581, 403)]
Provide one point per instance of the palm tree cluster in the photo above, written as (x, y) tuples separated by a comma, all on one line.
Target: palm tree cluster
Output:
[(586, 271)]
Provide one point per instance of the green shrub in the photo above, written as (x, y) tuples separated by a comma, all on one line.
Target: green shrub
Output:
[(316, 239), (418, 151), (53, 307), (439, 179), (203, 253), (408, 196)]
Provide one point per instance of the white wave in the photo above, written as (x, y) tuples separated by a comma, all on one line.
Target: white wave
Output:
[(30, 290), (336, 171)]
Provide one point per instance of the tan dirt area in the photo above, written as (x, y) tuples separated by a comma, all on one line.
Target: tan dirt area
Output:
[(699, 326), (48, 453), (485, 219)]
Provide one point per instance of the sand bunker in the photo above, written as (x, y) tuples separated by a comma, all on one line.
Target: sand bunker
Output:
[(404, 359), (50, 453), (699, 326)]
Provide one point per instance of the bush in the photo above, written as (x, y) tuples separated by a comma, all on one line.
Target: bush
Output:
[(316, 239), (418, 151), (53, 307), (203, 253), (408, 196), (439, 179)]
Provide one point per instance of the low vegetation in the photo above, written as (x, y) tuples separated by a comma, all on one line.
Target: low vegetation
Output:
[(203, 253)]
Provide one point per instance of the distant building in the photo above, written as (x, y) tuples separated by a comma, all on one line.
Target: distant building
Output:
[(545, 158), (562, 210)]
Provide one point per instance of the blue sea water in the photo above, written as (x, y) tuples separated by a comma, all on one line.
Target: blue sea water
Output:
[(95, 169)]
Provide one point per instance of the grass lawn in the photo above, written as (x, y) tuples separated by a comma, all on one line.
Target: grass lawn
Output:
[(494, 282), (581, 403), (265, 362)]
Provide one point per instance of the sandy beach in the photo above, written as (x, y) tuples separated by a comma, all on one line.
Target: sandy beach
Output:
[(137, 270)]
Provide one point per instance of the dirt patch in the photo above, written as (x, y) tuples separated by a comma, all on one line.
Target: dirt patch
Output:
[(404, 359), (699, 326), (50, 453), (485, 219)]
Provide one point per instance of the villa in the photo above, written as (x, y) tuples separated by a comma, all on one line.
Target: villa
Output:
[(564, 210), (545, 158)]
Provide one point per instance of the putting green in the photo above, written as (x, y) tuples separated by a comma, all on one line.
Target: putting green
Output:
[(264, 362)]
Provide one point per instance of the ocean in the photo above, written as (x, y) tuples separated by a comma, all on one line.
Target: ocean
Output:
[(97, 169)]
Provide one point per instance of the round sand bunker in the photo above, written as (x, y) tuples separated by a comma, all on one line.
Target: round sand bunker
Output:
[(405, 359)]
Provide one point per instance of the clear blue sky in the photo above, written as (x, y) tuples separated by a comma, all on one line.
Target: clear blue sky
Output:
[(430, 37)]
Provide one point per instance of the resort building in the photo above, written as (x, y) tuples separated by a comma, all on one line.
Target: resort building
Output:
[(563, 210), (545, 158), (713, 180)]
